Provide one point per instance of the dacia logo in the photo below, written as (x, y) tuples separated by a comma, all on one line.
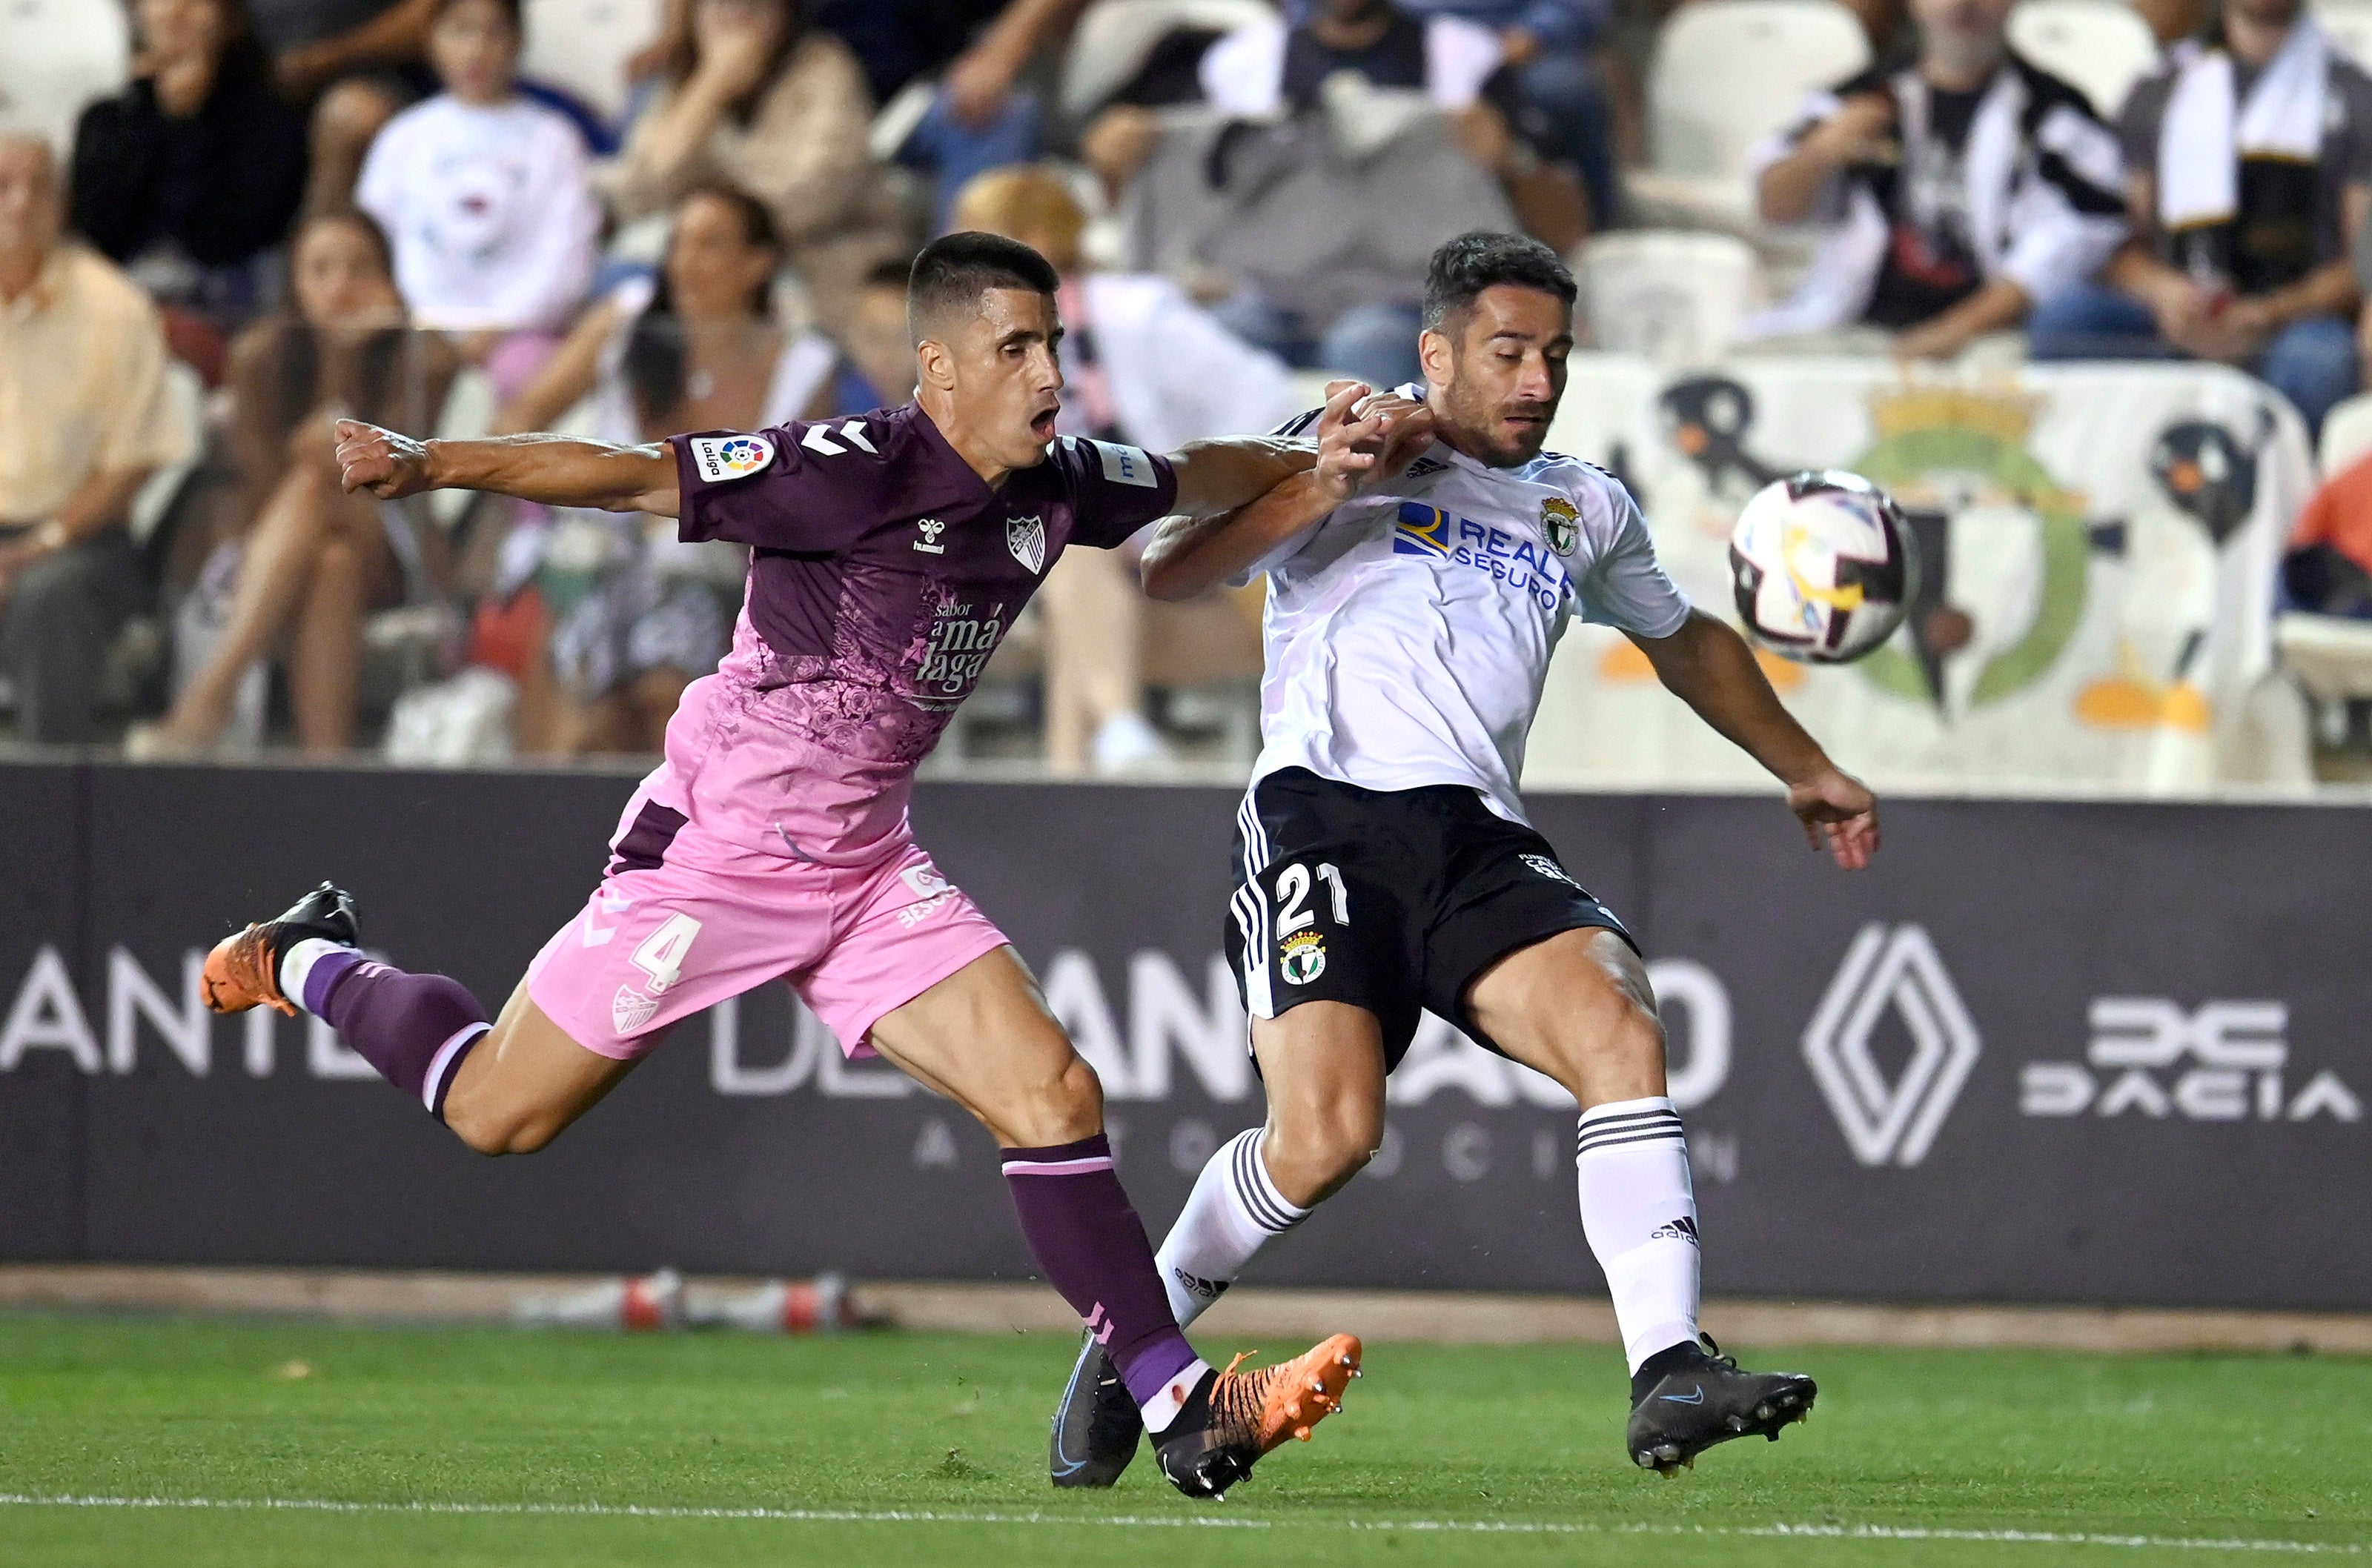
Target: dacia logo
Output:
[(2224, 1061)]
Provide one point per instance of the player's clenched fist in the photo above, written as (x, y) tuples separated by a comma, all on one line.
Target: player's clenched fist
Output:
[(387, 464), (1364, 436)]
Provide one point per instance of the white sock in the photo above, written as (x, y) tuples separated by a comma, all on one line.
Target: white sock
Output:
[(1162, 1409), (1640, 1214), (299, 961), (1234, 1211)]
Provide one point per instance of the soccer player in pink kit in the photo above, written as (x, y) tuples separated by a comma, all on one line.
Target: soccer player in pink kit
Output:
[(889, 553)]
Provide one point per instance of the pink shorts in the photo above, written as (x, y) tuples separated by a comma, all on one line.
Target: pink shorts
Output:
[(683, 920)]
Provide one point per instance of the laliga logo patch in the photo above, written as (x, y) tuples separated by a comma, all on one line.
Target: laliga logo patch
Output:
[(719, 457), (1562, 522), (1303, 959), (1026, 536)]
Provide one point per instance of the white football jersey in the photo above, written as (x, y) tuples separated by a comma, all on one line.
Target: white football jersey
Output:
[(1409, 631)]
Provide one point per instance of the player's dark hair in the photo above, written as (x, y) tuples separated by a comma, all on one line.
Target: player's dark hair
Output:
[(655, 362), (1462, 268), (955, 270)]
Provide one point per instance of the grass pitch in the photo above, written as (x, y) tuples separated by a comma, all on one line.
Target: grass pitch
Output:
[(197, 1444)]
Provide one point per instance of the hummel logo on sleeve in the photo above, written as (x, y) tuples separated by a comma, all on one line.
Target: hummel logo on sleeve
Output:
[(1126, 465), (720, 458)]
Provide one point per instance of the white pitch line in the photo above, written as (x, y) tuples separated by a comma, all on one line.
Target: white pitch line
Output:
[(1192, 1521)]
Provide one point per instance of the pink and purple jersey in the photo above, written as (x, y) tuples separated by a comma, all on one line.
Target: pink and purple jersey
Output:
[(883, 574)]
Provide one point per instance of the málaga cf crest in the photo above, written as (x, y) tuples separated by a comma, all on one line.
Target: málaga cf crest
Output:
[(1026, 536)]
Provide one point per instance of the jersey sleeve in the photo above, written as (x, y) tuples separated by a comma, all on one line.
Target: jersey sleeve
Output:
[(1115, 490), (763, 488), (1628, 588)]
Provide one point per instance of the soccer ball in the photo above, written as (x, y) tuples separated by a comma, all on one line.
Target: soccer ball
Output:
[(1823, 567)]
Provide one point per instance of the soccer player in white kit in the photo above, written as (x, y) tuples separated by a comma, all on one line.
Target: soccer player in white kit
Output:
[(1386, 865)]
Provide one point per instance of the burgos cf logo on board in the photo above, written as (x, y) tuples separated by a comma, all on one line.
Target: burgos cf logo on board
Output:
[(1897, 971)]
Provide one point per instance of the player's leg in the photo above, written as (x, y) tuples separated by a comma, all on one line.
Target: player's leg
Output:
[(1578, 1005), (508, 1085), (1322, 1066), (985, 1037), (1320, 953)]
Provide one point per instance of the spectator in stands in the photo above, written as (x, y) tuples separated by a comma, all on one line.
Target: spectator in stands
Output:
[(195, 169), (1357, 314), (84, 420), (759, 99), (875, 334), (2248, 168), (486, 197), (1964, 190), (1559, 102), (312, 561), (634, 615), (2328, 568), (1145, 366), (355, 64)]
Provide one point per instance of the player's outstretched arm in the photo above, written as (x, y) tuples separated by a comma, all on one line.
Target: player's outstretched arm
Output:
[(1190, 554), (558, 471), (1708, 666)]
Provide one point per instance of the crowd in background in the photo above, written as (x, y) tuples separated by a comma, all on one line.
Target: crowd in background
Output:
[(326, 208)]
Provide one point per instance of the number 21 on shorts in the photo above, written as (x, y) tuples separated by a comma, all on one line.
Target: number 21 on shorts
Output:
[(1293, 886), (662, 953)]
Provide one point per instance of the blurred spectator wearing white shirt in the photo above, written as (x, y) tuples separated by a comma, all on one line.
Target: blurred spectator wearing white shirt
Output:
[(1360, 318), (1143, 364), (84, 419), (486, 197)]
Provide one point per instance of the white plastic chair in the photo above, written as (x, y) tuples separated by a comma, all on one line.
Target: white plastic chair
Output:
[(2346, 434), (2100, 46), (1674, 297), (57, 56), (2349, 25), (1726, 74), (583, 45), (1114, 37)]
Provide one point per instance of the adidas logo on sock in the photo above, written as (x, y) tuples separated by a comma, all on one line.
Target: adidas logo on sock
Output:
[(1681, 1230), (1209, 1290)]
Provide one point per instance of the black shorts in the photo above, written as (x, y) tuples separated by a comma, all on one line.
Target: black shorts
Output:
[(1388, 900)]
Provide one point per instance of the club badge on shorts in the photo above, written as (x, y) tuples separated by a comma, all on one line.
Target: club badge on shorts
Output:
[(1026, 536), (1303, 958), (719, 457)]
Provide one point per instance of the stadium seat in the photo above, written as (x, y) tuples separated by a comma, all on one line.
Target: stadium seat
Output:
[(2349, 24), (55, 57), (2101, 46), (1114, 37), (1676, 297), (1726, 74), (583, 45), (2346, 434)]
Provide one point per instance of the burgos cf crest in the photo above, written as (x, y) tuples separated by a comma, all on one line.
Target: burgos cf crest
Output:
[(1026, 536), (1561, 523)]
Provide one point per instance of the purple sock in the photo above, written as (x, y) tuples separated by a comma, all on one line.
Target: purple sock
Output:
[(414, 1028), (1091, 1247)]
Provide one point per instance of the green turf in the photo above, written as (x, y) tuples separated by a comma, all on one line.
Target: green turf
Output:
[(2214, 1447)]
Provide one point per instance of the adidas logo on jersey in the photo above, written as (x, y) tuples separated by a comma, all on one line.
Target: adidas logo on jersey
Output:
[(1423, 466), (1681, 1230)]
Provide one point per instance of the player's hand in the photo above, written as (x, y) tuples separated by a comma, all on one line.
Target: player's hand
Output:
[(1365, 436), (1839, 815), (388, 465)]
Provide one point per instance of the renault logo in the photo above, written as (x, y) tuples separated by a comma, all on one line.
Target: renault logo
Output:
[(1891, 1123)]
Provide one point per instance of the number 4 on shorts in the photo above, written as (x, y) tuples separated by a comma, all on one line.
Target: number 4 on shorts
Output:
[(662, 954)]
